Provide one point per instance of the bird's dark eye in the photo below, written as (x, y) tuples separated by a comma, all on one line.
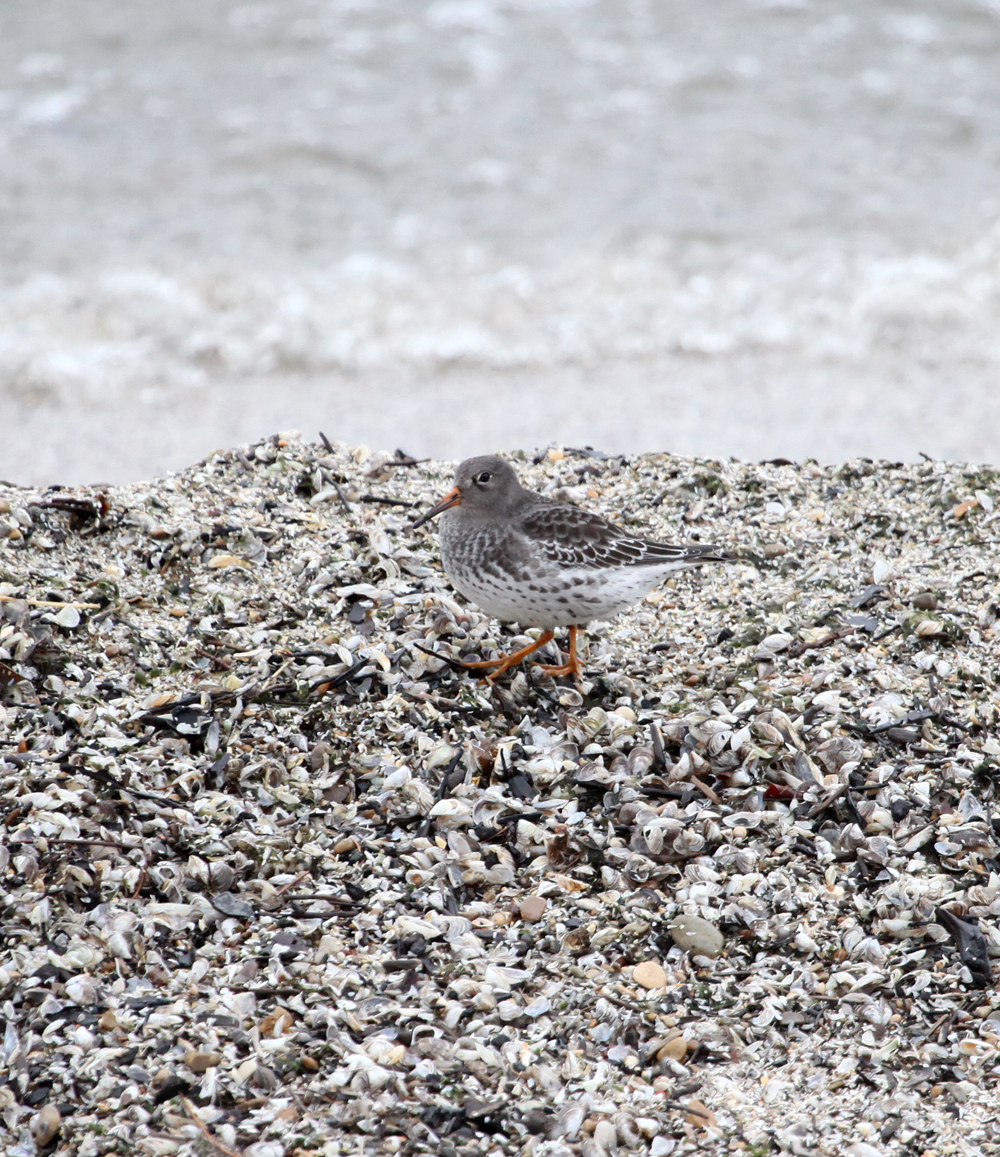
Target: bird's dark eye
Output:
[(484, 477)]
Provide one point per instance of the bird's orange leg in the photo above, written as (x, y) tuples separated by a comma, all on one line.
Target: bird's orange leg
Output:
[(573, 666), (505, 662)]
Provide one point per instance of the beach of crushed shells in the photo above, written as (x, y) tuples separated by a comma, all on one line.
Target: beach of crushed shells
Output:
[(278, 878)]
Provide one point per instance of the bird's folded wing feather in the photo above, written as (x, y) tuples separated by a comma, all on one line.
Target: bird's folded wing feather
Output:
[(576, 538)]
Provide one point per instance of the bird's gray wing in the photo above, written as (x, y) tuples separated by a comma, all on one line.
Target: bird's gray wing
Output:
[(575, 538)]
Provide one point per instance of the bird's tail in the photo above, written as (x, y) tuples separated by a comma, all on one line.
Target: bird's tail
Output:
[(696, 555)]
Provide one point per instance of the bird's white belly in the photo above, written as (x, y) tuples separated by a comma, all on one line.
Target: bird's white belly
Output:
[(562, 598)]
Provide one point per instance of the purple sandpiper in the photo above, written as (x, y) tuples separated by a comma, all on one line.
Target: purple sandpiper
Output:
[(527, 559)]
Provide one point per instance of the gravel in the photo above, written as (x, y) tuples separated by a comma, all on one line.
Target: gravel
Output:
[(273, 864)]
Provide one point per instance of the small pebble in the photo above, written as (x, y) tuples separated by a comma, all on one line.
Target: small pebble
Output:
[(699, 1114), (925, 601), (676, 1049), (532, 908), (224, 561), (649, 974), (45, 1125), (697, 936), (201, 1062)]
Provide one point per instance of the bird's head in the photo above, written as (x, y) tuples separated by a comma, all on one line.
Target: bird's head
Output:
[(486, 485)]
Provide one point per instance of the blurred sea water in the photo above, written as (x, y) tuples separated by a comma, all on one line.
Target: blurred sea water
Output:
[(749, 227)]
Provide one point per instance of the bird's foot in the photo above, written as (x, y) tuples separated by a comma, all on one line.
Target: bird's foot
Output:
[(505, 662), (572, 667)]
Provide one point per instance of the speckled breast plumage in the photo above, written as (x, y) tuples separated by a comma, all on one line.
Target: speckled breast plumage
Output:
[(508, 576)]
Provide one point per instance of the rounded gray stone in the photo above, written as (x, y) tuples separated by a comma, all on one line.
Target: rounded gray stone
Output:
[(697, 936)]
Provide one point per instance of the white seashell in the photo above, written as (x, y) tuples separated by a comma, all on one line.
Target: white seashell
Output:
[(595, 719), (266, 1148), (688, 843), (629, 1130), (413, 926), (719, 742), (929, 628), (80, 956), (118, 945), (441, 756), (918, 839), (863, 1149), (397, 779), (68, 617), (881, 570), (451, 807), (770, 737), (568, 1122), (880, 820), (82, 990), (538, 1007), (880, 849), (898, 927), (743, 820), (640, 760), (852, 937), (83, 1038), (509, 1010), (985, 893), (637, 812), (878, 1012), (605, 1139), (652, 834), (870, 951), (704, 729), (740, 738), (852, 837)]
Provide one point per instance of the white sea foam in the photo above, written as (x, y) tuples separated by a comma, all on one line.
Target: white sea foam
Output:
[(71, 339)]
